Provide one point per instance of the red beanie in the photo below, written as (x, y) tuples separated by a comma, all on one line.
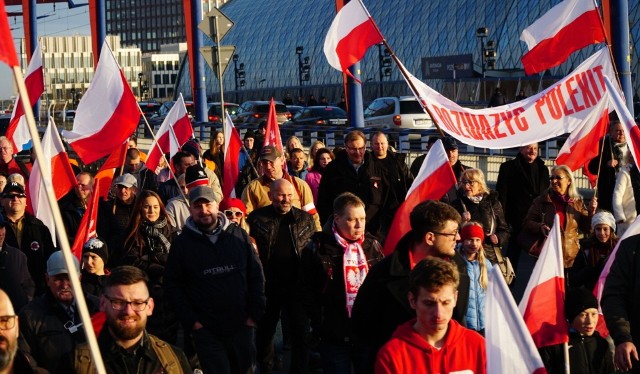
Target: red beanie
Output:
[(232, 202), (472, 231)]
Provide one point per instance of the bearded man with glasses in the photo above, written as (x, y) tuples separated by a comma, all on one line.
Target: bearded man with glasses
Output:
[(12, 360)]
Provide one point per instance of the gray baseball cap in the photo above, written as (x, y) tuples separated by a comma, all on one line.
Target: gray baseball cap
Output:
[(201, 192), (56, 264), (126, 180)]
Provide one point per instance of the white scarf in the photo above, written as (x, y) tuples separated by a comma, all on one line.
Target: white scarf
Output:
[(354, 267)]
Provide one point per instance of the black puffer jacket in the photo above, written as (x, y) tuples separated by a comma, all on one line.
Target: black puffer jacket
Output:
[(488, 212), (264, 223), (587, 355), (322, 284), (112, 226)]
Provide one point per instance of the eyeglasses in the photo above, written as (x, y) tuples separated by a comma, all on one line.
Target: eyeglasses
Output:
[(454, 234), (7, 322), (119, 305), (14, 196), (121, 186), (556, 177), (358, 150), (231, 213), (6, 149), (471, 183)]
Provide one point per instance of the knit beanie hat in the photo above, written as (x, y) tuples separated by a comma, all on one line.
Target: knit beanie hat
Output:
[(232, 202), (195, 176), (577, 301), (603, 217), (97, 246), (472, 231)]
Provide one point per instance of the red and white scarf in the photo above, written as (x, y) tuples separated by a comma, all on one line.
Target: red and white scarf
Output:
[(354, 267)]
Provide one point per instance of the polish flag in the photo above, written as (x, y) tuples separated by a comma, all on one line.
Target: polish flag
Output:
[(509, 345), (631, 131), (59, 175), (88, 224), (434, 179), (542, 305), (352, 32), (272, 136), (104, 176), (7, 48), (564, 29), (18, 130), (108, 112), (232, 147), (175, 130)]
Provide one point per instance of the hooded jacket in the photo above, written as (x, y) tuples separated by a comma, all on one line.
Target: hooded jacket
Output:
[(407, 352)]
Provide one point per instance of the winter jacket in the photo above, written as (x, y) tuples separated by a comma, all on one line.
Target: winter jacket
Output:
[(313, 179), (577, 218), (112, 226), (518, 184), (624, 202), (587, 355), (215, 279), (398, 175), (71, 209), (322, 282), (487, 212), (265, 223), (302, 174), (407, 352), (15, 279), (36, 244), (477, 294), (599, 165), (42, 333), (92, 284), (177, 212)]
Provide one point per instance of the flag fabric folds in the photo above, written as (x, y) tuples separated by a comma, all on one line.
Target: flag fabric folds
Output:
[(352, 32), (88, 223), (232, 148), (107, 114), (631, 130), (434, 179), (7, 48), (272, 130), (61, 177), (510, 348), (542, 305), (175, 130), (104, 176), (18, 130), (564, 29)]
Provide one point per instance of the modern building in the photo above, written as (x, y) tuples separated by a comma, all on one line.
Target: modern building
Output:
[(160, 71), (268, 33)]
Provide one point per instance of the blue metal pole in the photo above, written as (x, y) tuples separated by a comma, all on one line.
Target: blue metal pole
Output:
[(356, 112), (101, 23), (620, 31), (201, 90)]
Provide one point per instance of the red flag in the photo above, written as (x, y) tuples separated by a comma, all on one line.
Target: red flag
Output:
[(18, 130), (631, 131), (7, 49), (272, 136), (104, 176), (88, 224), (434, 179), (59, 174), (542, 305), (232, 147), (108, 112), (352, 32), (175, 130), (564, 29)]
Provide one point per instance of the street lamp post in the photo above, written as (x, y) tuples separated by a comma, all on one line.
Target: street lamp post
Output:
[(482, 33), (299, 50), (235, 70), (140, 76)]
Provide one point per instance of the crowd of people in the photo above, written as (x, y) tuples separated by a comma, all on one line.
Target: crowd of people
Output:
[(177, 264)]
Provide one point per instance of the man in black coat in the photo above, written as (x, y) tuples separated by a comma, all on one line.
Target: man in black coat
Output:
[(15, 279), (607, 164), (520, 180), (382, 303)]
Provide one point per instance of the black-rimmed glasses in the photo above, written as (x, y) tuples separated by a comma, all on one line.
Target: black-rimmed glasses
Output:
[(7, 322), (119, 305), (454, 234)]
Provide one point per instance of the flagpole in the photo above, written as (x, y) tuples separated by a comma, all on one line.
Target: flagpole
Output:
[(63, 240), (403, 72), (606, 41)]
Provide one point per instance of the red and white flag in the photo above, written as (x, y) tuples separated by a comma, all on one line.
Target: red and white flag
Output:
[(175, 130), (564, 29), (232, 147), (631, 130), (107, 114), (88, 223), (18, 130), (7, 48), (104, 176), (510, 348), (59, 175), (272, 130), (352, 32), (434, 179), (542, 305)]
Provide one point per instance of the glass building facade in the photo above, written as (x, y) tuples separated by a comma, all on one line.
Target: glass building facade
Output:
[(267, 32)]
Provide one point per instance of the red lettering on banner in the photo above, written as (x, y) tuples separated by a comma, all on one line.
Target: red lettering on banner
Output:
[(458, 124), (554, 107), (539, 103), (572, 95), (563, 102), (486, 128), (471, 125), (521, 122), (444, 118), (594, 84), (598, 69), (506, 117), (583, 85)]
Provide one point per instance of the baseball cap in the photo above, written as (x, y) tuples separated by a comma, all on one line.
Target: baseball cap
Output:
[(449, 143), (201, 192), (13, 187), (126, 180), (56, 264), (269, 152)]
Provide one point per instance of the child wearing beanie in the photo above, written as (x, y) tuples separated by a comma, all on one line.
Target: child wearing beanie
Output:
[(588, 351), (95, 255), (472, 237), (594, 251)]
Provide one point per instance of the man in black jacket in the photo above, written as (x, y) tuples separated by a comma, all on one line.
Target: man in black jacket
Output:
[(74, 204), (15, 279), (281, 231), (607, 164), (393, 164), (382, 303), (214, 280), (114, 214)]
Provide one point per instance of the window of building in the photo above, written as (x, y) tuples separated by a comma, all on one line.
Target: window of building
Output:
[(165, 78), (157, 79), (162, 92)]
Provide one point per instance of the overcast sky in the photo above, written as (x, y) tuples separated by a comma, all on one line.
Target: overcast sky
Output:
[(59, 21)]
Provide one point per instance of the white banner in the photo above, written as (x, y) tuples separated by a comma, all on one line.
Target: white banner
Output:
[(563, 107)]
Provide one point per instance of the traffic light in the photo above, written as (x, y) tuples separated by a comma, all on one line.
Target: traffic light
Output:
[(385, 59), (240, 72), (305, 68)]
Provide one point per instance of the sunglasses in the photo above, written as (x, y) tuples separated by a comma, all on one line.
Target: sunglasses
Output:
[(14, 196), (231, 213)]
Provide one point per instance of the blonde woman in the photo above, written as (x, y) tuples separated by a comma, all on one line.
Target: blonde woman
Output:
[(312, 151), (292, 143), (472, 236)]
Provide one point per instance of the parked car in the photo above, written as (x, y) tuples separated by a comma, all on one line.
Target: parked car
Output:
[(214, 112), (255, 112), (320, 116), (156, 119), (294, 109), (67, 115), (396, 113), (149, 108)]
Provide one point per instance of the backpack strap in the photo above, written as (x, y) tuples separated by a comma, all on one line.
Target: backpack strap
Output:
[(83, 362), (168, 358)]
